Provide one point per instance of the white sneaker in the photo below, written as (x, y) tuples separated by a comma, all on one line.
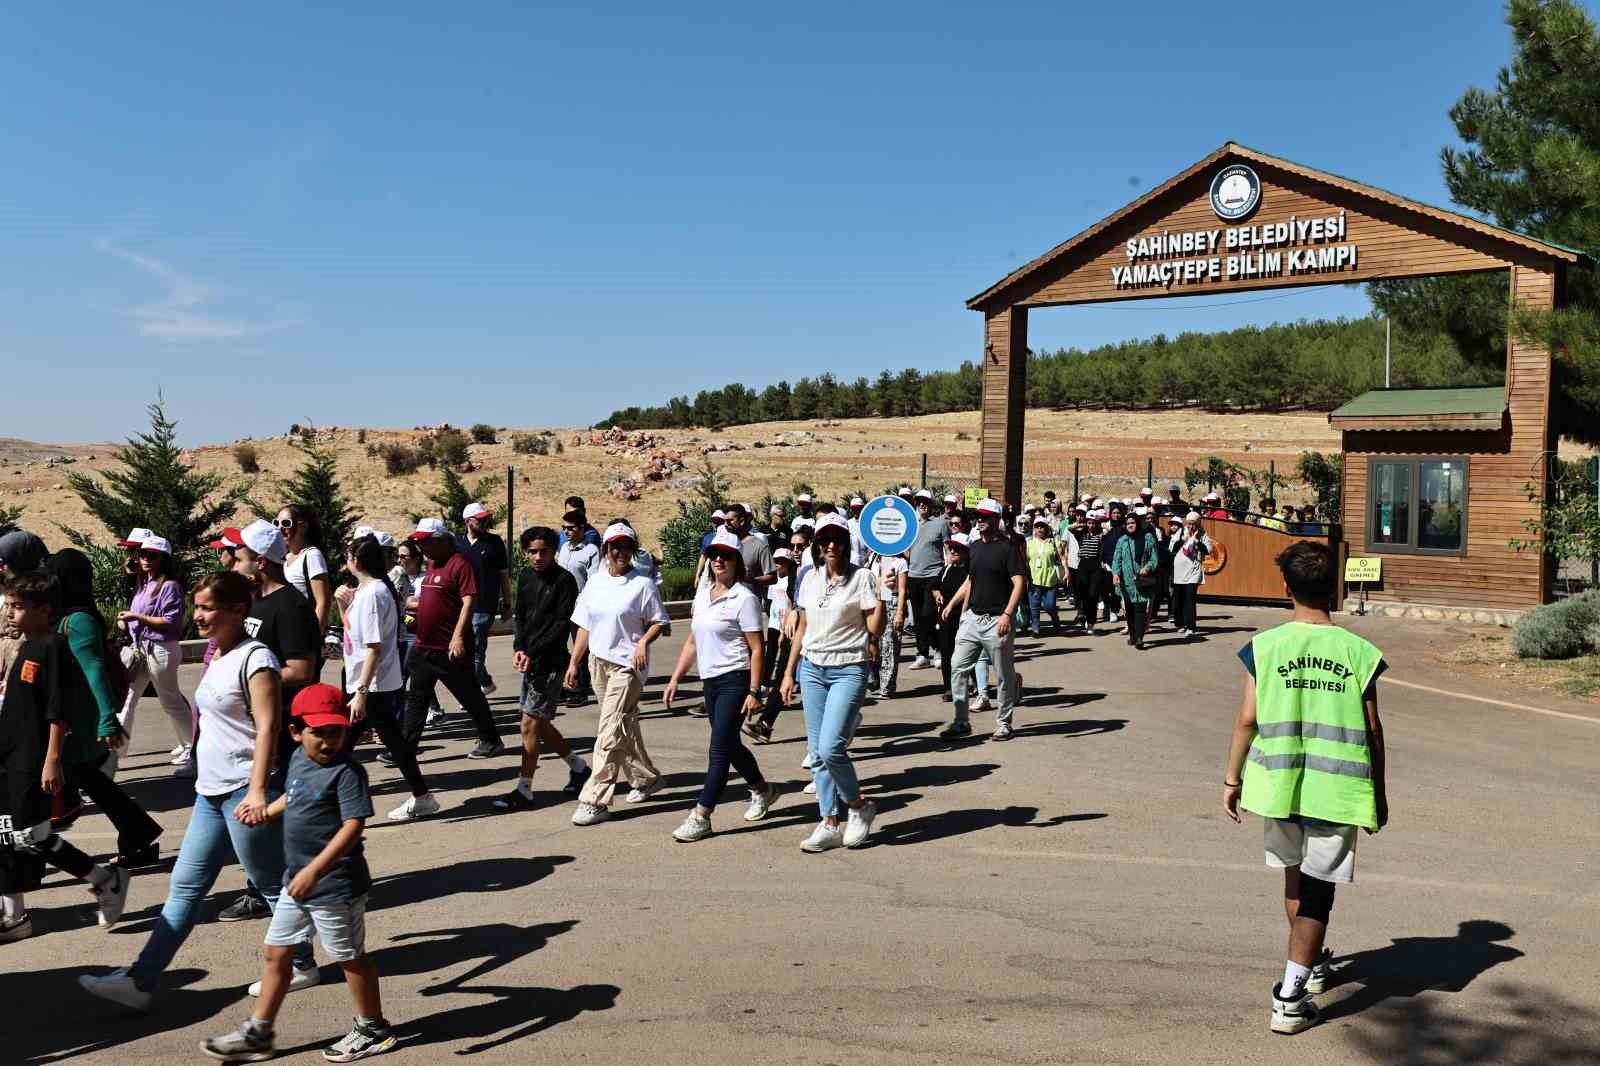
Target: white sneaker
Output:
[(1320, 972), (181, 754), (760, 803), (639, 795), (810, 789), (17, 929), (298, 979), (1290, 1016), (859, 823), (589, 814), (434, 717), (694, 827), (919, 663), (117, 987), (1112, 617), (415, 807), (112, 897), (805, 763), (984, 704), (937, 662), (824, 837), (177, 751)]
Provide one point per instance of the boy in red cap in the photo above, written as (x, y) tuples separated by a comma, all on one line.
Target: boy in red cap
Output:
[(324, 807)]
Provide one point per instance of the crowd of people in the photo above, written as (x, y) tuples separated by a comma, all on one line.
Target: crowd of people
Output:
[(308, 656)]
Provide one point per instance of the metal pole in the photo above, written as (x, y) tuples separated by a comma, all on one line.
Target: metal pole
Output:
[(1075, 489), (1272, 478), (511, 500), (924, 482), (1386, 353), (1149, 473)]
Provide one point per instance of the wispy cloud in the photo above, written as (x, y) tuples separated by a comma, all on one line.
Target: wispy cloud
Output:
[(181, 312)]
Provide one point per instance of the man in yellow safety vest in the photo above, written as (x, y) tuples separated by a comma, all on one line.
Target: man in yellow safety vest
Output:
[(1309, 746)]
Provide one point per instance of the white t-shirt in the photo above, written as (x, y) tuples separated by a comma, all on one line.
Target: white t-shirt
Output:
[(580, 559), (616, 611), (887, 567), (312, 563), (836, 617), (719, 629), (777, 604), (372, 619), (227, 747)]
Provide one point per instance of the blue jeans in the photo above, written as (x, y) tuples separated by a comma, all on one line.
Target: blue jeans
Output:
[(214, 837), (831, 696), (1042, 599), (480, 646)]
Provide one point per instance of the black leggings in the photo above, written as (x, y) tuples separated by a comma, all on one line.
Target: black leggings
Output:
[(384, 711), (924, 615), (1138, 615), (725, 696), (1183, 613), (947, 645), (135, 828), (1086, 590), (780, 663)]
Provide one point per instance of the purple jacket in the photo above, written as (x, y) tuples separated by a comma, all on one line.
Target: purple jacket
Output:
[(166, 602)]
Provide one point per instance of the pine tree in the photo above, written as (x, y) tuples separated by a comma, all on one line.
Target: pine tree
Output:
[(10, 519), (453, 497), (1532, 164), (315, 486), (157, 490)]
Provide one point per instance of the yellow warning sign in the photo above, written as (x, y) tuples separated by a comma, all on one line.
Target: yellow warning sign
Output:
[(1365, 570)]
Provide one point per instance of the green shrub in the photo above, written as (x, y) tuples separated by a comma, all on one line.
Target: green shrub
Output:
[(403, 458), (680, 537), (677, 583), (483, 433), (530, 444), (1561, 630), (449, 447), (247, 457)]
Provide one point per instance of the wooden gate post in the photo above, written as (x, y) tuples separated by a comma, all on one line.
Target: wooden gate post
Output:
[(1005, 400)]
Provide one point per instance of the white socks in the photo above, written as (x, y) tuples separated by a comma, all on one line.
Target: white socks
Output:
[(1295, 977), (576, 764)]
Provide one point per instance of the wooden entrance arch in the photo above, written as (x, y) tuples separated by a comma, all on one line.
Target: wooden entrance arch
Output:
[(1305, 227)]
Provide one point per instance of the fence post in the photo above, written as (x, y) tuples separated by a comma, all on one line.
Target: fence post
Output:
[(511, 500), (1272, 478), (1149, 473), (1075, 491), (924, 482)]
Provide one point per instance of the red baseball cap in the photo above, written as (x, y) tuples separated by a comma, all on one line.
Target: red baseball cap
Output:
[(320, 705)]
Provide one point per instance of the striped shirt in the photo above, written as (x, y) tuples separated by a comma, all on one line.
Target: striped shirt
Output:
[(1089, 551)]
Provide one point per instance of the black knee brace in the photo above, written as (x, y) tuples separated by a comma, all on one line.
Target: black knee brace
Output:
[(1316, 899)]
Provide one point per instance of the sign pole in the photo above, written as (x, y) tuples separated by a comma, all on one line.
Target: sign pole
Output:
[(1075, 489)]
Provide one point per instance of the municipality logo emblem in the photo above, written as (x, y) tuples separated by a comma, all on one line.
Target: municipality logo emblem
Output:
[(1235, 192)]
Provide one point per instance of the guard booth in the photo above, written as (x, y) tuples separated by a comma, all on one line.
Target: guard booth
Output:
[(1436, 481)]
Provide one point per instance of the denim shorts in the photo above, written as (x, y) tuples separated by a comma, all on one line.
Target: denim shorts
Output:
[(342, 927), (541, 694)]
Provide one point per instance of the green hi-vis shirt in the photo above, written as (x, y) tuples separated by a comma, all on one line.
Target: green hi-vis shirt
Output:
[(1310, 758)]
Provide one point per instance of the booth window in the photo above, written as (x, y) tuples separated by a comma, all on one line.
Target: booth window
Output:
[(1417, 505)]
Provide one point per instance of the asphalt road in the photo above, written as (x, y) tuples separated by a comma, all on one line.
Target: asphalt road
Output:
[(1072, 896)]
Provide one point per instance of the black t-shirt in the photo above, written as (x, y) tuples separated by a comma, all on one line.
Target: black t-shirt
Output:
[(993, 564), (318, 801), (285, 623), (38, 689), (950, 581), (489, 557)]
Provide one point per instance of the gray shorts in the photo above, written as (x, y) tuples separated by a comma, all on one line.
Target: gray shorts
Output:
[(541, 694), (342, 927)]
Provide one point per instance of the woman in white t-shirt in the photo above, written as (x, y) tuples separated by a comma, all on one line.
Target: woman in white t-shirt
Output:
[(840, 611), (891, 573), (237, 700), (372, 673), (726, 648), (305, 567)]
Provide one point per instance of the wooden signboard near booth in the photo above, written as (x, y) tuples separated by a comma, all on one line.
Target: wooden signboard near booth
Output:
[(1241, 220), (1243, 564)]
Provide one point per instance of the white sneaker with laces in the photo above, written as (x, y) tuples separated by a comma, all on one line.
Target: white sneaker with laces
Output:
[(1320, 972), (760, 803), (299, 980), (415, 807), (919, 663), (181, 754), (589, 814), (179, 750), (639, 795), (824, 837), (117, 987), (984, 704), (694, 827), (112, 897), (858, 824), (1290, 1016), (810, 789)]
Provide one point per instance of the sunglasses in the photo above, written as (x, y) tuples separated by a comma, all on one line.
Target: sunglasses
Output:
[(285, 523)]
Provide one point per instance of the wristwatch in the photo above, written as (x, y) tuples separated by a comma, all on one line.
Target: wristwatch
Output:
[(362, 689)]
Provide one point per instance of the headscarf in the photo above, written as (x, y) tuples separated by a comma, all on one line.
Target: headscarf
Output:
[(74, 576), (22, 552)]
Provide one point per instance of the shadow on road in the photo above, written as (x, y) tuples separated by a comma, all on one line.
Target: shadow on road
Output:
[(931, 827), (63, 1021), (472, 875), (1416, 964)]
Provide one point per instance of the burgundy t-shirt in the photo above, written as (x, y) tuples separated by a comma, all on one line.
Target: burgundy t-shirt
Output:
[(439, 601)]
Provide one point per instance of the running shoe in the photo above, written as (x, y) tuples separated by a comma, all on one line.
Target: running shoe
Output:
[(1321, 970), (576, 779), (181, 754), (361, 1041), (300, 978), (639, 795), (112, 897), (810, 789), (984, 704), (16, 929), (1003, 731), (694, 827), (859, 824), (244, 1044), (515, 800), (387, 759), (486, 750), (117, 987), (1290, 1016), (824, 837), (488, 688), (757, 730), (956, 730), (434, 717), (414, 808), (244, 908), (919, 663), (589, 814), (761, 802)]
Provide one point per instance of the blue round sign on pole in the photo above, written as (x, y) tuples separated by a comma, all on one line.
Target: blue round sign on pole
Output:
[(888, 525)]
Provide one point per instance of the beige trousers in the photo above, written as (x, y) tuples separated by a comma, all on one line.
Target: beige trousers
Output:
[(618, 745)]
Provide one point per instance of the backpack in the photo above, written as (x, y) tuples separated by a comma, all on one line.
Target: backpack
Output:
[(111, 655)]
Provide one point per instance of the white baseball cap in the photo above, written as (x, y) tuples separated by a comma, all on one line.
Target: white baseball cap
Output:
[(783, 553), (262, 537), (136, 537), (903, 490), (430, 527), (804, 497), (1141, 510), (1086, 498), (623, 531), (924, 494), (475, 510), (1041, 520), (156, 544), (950, 497), (831, 521), (989, 506), (1147, 491), (363, 531), (1192, 516), (1210, 497), (385, 540), (719, 515), (961, 540), (804, 523), (857, 501), (720, 539)]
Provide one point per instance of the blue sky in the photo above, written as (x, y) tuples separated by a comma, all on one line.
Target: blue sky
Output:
[(529, 214)]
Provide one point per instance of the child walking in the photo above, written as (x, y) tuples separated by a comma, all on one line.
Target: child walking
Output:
[(324, 807), (1309, 745), (41, 688)]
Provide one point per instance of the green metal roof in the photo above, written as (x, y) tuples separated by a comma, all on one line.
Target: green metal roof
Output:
[(1394, 403)]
